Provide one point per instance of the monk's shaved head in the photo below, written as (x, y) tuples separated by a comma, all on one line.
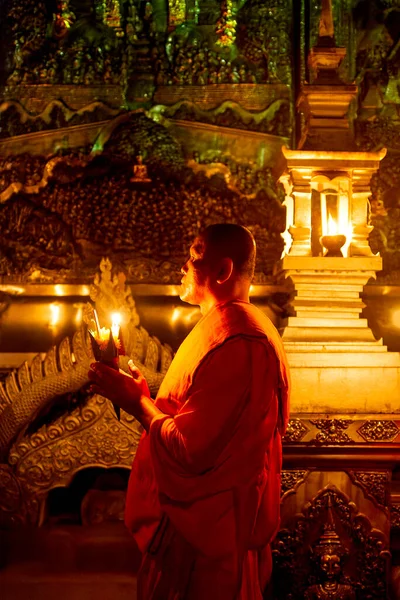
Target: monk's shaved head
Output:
[(228, 240)]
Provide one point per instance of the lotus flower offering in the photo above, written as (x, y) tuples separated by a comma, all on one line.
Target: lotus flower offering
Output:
[(106, 343)]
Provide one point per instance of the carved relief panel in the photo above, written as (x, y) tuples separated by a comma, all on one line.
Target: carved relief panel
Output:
[(329, 523)]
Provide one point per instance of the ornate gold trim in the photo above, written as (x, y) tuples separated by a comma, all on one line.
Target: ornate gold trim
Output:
[(379, 431), (295, 432), (291, 479), (374, 485), (88, 436), (332, 431)]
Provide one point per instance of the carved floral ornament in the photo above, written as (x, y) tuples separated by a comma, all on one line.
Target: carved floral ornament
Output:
[(379, 431), (291, 479), (332, 430), (375, 485), (339, 431), (295, 432), (89, 436)]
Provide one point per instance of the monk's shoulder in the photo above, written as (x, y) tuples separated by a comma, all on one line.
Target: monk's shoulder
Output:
[(246, 317)]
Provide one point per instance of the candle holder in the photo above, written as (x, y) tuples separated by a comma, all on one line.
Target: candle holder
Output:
[(333, 244), (106, 344)]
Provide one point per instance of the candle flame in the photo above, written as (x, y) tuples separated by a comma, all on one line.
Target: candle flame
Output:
[(332, 226), (116, 322), (102, 337), (116, 318), (104, 334)]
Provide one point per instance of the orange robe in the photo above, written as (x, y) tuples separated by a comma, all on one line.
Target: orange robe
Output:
[(204, 492)]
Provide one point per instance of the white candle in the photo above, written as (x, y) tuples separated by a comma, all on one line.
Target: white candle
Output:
[(96, 318)]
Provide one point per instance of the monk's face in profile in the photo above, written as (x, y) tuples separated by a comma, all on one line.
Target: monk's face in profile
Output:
[(199, 273)]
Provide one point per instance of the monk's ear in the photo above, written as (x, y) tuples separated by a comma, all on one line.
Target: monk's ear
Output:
[(225, 270)]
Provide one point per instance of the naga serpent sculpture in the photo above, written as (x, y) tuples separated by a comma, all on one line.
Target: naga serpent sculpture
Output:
[(31, 388)]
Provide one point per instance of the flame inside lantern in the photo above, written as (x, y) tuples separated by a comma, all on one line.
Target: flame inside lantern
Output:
[(332, 228)]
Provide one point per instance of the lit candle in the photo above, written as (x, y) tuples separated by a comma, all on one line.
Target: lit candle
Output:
[(116, 322), (332, 240), (96, 318), (102, 337), (104, 348), (100, 334), (332, 226)]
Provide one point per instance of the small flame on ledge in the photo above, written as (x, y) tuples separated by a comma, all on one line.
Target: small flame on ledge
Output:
[(55, 310)]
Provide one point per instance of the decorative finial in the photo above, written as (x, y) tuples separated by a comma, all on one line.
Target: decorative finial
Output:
[(329, 542), (326, 28), (325, 57)]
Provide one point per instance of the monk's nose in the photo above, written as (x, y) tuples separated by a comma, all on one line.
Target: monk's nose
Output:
[(184, 268)]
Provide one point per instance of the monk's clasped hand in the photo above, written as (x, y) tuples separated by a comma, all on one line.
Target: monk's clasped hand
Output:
[(122, 389)]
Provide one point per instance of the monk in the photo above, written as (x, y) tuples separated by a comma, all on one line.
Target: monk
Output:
[(203, 496)]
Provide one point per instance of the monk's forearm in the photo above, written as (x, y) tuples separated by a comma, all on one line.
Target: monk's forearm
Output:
[(145, 411)]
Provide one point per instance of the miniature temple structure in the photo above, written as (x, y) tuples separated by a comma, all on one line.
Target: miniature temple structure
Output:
[(330, 261), (341, 373)]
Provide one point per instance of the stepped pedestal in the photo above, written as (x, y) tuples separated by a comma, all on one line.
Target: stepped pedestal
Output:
[(337, 365)]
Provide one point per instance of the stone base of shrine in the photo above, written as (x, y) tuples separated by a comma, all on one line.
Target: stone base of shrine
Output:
[(345, 380)]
